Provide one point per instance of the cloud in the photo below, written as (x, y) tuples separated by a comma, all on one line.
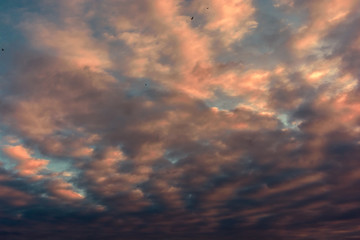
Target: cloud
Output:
[(63, 190), (119, 114), (26, 165), (231, 21), (323, 16), (14, 197)]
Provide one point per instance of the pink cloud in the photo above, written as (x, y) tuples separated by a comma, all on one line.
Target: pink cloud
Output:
[(26, 164), (232, 20), (63, 190), (72, 41), (170, 150), (323, 16)]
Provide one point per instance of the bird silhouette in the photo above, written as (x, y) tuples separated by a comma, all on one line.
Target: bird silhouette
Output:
[(2, 49), (192, 18)]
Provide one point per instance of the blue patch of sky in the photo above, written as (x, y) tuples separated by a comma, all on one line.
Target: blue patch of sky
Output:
[(284, 118), (173, 156), (294, 18), (4, 160), (15, 13), (262, 47), (223, 101), (12, 39), (59, 165), (25, 6), (118, 49), (54, 165), (265, 46), (138, 86)]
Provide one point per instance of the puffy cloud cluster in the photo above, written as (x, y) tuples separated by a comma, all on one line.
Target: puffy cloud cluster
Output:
[(128, 94)]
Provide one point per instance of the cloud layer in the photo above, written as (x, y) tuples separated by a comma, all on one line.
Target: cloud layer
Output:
[(180, 119)]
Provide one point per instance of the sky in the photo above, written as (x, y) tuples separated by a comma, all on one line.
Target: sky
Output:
[(180, 119)]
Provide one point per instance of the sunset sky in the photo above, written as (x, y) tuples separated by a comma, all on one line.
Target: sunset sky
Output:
[(179, 119)]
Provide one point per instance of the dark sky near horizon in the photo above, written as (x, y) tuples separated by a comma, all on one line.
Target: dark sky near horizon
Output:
[(180, 119)]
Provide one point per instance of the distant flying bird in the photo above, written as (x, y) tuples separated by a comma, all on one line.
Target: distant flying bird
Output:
[(2, 49), (192, 18)]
